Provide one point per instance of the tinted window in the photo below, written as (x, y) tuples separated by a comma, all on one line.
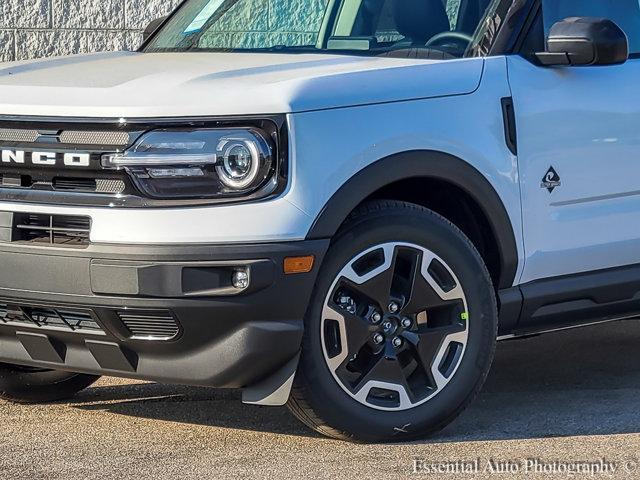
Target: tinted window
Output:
[(626, 13)]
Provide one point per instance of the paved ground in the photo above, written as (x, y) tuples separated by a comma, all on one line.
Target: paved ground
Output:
[(570, 396)]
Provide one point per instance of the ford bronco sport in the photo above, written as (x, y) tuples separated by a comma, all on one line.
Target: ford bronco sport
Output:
[(338, 205)]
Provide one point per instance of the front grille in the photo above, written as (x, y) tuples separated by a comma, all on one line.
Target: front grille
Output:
[(74, 184), (94, 138), (66, 230), (50, 318), (106, 185), (65, 137), (19, 136), (89, 185), (159, 325)]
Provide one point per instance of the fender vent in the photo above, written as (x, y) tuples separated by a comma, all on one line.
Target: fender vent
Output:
[(159, 325)]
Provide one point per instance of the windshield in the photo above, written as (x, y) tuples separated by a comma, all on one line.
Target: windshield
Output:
[(404, 28)]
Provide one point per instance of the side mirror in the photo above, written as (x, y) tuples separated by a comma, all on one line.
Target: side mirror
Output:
[(152, 27), (582, 41)]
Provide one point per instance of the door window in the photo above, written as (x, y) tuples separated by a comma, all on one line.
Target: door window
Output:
[(626, 13)]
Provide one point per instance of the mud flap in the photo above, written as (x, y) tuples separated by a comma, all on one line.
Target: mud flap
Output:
[(274, 390)]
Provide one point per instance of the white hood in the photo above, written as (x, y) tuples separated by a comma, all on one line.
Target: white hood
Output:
[(130, 85)]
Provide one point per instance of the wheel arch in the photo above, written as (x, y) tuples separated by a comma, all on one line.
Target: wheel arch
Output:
[(376, 179)]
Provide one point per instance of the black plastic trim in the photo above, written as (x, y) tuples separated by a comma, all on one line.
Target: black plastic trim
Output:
[(513, 26), (159, 28), (224, 340), (509, 119), (510, 308), (423, 164), (580, 298)]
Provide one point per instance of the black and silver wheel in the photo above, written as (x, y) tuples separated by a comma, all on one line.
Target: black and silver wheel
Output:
[(402, 329), (38, 385)]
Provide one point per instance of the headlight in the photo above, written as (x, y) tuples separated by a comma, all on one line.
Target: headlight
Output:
[(239, 162), (198, 163)]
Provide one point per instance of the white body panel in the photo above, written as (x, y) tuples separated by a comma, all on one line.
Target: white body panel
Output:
[(344, 114), (584, 123), (136, 85)]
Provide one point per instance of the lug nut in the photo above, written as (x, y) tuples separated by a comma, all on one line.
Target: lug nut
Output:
[(406, 322), (348, 304), (376, 317), (378, 338), (393, 307), (397, 342)]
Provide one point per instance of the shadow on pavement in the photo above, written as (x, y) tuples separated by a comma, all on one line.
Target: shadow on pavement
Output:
[(577, 382)]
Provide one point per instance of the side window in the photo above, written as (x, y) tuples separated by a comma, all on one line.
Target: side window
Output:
[(626, 13)]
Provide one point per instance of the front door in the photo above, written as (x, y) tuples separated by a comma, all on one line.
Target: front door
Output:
[(579, 152)]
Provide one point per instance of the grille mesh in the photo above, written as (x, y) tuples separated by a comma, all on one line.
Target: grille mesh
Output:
[(66, 137), (110, 186), (13, 135), (94, 138)]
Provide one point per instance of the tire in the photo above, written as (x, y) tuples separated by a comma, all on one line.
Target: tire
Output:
[(445, 352), (32, 385)]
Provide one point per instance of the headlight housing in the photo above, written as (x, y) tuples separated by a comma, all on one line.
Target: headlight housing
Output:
[(199, 163)]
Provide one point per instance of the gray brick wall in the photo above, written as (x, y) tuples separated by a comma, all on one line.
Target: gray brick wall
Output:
[(41, 28)]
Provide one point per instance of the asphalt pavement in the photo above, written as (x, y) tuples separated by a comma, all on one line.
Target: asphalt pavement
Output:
[(555, 404)]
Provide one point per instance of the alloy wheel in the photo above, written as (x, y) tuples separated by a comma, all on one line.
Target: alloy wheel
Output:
[(394, 326)]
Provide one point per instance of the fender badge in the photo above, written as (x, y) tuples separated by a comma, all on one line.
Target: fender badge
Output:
[(551, 180)]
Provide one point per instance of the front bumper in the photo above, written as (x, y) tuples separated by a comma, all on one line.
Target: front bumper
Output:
[(160, 313)]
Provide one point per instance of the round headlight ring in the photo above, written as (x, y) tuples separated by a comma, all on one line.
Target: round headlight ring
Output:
[(235, 171)]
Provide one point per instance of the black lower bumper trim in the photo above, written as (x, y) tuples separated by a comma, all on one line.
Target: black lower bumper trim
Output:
[(209, 339)]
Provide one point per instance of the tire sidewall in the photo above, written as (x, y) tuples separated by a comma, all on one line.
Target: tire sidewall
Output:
[(42, 386)]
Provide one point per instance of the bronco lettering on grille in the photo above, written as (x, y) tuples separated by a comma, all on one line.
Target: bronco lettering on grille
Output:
[(21, 157)]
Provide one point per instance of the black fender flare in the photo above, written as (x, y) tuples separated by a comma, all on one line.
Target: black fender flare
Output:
[(423, 164)]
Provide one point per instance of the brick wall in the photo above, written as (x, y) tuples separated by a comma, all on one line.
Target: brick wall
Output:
[(41, 28)]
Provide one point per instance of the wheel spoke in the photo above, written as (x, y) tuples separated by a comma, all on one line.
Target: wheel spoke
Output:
[(355, 332), (384, 371), (428, 344), (375, 285), (426, 293), (359, 332), (422, 296)]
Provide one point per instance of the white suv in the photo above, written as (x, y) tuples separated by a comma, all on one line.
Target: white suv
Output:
[(339, 205)]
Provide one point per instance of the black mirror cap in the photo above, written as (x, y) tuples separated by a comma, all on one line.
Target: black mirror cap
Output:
[(152, 27), (585, 41)]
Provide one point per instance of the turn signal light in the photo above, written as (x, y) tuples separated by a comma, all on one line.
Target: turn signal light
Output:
[(294, 265)]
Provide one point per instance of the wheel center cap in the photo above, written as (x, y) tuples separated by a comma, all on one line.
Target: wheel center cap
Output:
[(390, 325)]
